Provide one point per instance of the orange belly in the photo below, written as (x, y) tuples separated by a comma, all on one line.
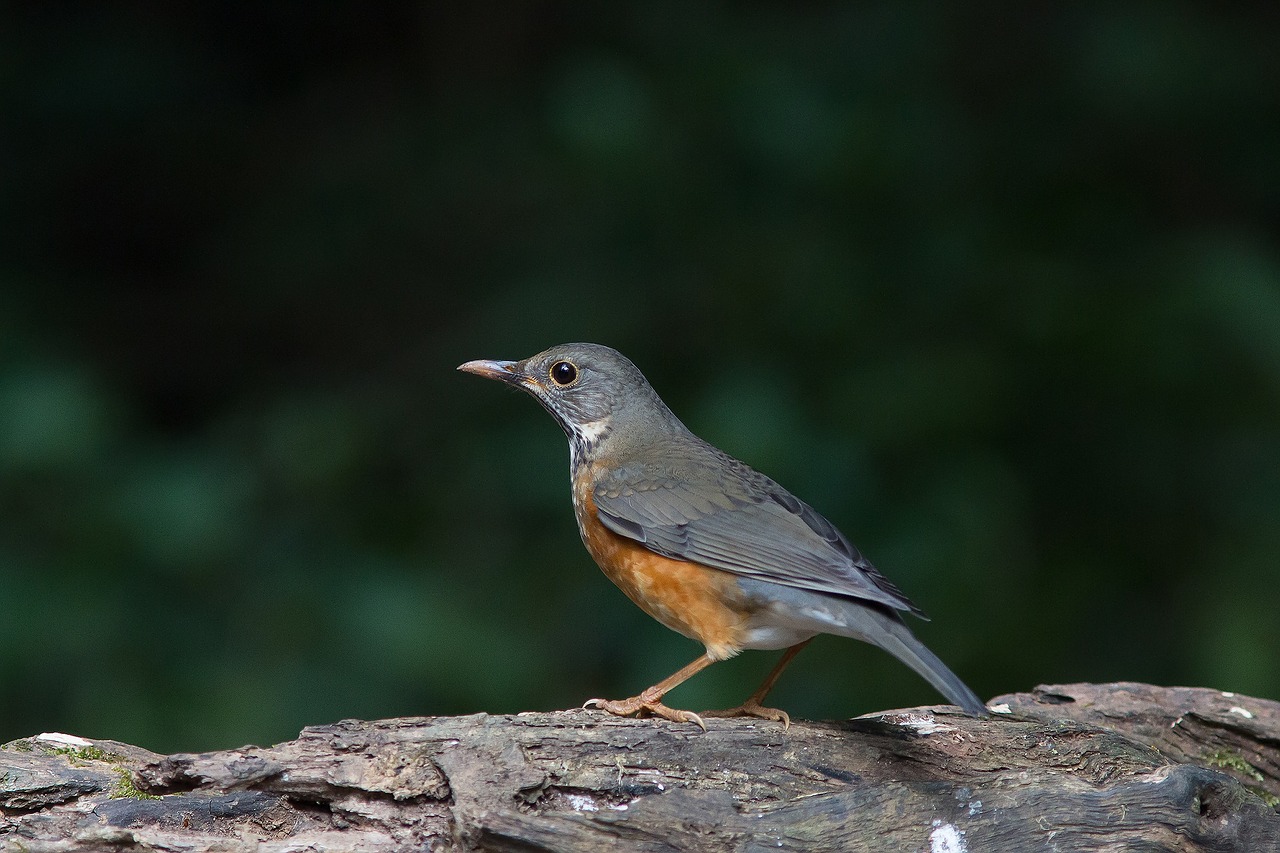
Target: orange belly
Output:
[(701, 603)]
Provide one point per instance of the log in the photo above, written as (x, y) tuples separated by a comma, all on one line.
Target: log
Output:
[(1065, 768)]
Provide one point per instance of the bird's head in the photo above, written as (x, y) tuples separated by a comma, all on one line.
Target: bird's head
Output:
[(589, 389)]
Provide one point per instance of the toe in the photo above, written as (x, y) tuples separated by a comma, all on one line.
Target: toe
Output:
[(776, 715), (639, 706), (675, 715)]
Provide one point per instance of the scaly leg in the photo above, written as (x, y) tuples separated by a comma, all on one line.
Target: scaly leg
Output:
[(752, 707), (650, 700)]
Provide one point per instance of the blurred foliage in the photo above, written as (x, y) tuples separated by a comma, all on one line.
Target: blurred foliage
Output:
[(995, 287)]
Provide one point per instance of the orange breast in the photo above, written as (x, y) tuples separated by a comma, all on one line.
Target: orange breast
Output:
[(699, 602)]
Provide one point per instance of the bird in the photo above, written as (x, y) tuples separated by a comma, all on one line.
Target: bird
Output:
[(702, 542)]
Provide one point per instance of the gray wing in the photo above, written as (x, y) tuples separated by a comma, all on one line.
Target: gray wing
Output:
[(724, 514)]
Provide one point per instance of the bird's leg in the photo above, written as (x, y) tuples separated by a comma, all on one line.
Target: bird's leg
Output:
[(752, 707), (650, 700)]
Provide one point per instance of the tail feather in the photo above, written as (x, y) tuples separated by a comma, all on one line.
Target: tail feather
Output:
[(905, 647), (884, 628)]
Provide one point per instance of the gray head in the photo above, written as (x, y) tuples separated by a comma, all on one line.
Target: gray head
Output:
[(588, 388)]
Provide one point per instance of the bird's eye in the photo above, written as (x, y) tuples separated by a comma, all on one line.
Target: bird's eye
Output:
[(563, 373)]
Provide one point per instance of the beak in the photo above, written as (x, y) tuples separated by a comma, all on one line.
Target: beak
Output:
[(504, 371)]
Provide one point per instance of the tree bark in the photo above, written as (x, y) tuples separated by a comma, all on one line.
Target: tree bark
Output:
[(1063, 768)]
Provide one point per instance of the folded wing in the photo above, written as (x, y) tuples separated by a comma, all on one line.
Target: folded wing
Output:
[(723, 514)]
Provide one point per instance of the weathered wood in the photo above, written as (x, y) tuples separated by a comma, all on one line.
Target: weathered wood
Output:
[(1064, 768)]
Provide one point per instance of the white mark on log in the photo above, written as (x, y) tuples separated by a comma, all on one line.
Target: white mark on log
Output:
[(65, 740), (926, 725), (582, 803), (585, 803), (1228, 694), (945, 838), (975, 807), (1242, 712), (1002, 708)]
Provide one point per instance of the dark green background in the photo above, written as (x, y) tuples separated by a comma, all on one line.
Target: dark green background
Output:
[(996, 288)]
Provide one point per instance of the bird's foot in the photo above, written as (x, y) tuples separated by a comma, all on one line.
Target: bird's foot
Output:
[(754, 709), (644, 706)]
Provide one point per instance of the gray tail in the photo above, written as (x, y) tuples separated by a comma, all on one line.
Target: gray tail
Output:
[(884, 628)]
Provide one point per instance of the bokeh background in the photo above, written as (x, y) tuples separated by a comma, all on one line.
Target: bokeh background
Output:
[(996, 287)]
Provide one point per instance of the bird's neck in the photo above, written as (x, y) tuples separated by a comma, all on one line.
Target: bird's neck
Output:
[(585, 440), (608, 439)]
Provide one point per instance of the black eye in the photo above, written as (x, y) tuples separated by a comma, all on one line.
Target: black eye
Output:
[(563, 373)]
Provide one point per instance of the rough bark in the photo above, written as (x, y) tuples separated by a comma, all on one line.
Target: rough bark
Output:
[(1064, 768)]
